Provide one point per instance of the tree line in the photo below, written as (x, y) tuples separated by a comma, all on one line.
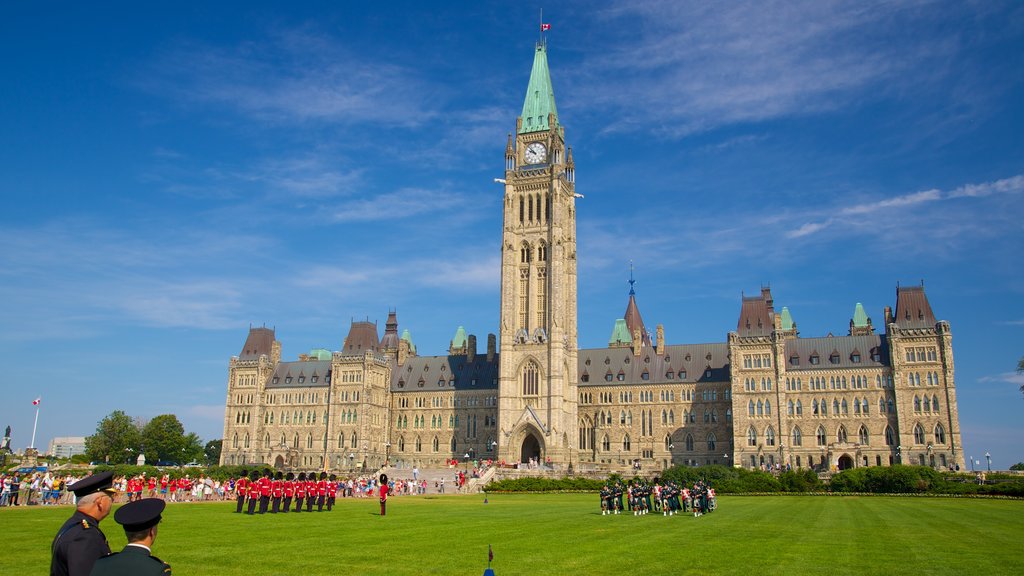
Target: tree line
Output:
[(120, 439)]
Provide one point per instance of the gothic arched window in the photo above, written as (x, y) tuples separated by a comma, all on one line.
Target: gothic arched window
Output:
[(531, 379)]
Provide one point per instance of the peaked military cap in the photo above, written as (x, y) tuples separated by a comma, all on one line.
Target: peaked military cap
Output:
[(140, 515), (102, 482)]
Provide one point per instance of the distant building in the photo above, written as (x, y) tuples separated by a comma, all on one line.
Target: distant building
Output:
[(762, 397), (66, 446)]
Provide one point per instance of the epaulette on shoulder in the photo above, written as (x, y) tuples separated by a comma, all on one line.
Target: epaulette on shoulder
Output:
[(166, 566), (85, 524)]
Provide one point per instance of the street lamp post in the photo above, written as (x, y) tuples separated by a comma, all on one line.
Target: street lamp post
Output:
[(971, 458), (988, 457)]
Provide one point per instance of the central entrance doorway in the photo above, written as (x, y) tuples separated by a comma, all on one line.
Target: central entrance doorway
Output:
[(531, 449), (845, 462)]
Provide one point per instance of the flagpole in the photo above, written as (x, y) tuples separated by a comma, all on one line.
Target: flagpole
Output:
[(36, 423), (540, 27)]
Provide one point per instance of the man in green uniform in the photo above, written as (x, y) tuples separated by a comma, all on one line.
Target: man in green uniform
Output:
[(80, 542), (140, 520)]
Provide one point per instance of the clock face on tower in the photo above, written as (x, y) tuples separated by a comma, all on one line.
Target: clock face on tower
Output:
[(536, 153)]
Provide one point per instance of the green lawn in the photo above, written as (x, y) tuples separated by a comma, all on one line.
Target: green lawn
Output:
[(565, 534)]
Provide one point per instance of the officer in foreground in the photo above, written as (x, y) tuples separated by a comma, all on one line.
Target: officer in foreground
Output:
[(80, 542), (140, 520)]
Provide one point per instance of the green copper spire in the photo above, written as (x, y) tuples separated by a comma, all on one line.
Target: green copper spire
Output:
[(620, 334), (860, 318), (787, 320), (408, 338), (459, 341), (540, 97)]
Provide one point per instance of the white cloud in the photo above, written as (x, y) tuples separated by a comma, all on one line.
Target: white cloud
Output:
[(690, 67), (807, 229), (294, 75), (1015, 378), (395, 205)]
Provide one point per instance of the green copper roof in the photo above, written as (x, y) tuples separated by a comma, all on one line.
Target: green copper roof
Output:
[(459, 340), (408, 338), (860, 318), (540, 97), (787, 320), (620, 334), (320, 354)]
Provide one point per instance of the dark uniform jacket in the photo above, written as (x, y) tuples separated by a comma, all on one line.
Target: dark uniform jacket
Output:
[(77, 546), (132, 561)]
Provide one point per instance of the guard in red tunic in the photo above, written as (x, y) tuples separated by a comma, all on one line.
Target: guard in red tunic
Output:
[(310, 491), (321, 492), (332, 492), (241, 487), (300, 491), (383, 494), (276, 492), (266, 485), (288, 487), (254, 491)]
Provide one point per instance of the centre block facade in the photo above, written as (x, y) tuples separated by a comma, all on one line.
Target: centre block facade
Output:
[(764, 397)]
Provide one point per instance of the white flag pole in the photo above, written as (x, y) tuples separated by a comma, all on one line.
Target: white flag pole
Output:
[(36, 423)]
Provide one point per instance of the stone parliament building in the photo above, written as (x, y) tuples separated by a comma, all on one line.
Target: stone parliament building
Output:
[(765, 396)]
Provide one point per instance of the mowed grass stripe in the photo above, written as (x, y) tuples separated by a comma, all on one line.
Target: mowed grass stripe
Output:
[(566, 534)]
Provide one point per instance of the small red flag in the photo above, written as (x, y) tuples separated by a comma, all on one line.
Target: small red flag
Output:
[(545, 27), (37, 401)]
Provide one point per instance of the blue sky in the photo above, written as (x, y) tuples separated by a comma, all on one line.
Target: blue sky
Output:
[(174, 173)]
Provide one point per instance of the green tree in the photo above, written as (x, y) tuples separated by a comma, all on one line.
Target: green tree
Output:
[(212, 452), (163, 439), (116, 439), (1020, 370), (194, 451), (1017, 466)]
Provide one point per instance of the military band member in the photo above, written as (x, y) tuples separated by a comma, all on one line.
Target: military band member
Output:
[(332, 492), (241, 490), (606, 497), (140, 520), (276, 492), (80, 542), (617, 494), (300, 491)]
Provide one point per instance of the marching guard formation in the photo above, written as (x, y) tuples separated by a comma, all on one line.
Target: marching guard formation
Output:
[(274, 492), (665, 497)]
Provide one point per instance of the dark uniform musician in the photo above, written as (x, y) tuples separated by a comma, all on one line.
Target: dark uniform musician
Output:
[(140, 520), (80, 542)]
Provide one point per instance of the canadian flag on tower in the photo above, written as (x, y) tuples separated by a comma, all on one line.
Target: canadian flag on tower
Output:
[(545, 27), (37, 401)]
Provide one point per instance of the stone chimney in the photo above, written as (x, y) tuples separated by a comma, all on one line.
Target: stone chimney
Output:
[(659, 340), (471, 350), (492, 347), (638, 341)]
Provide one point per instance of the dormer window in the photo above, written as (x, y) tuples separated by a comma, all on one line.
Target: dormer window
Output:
[(314, 378), (276, 379), (815, 359), (645, 376), (302, 379), (855, 357), (794, 360), (669, 375), (834, 358), (288, 380), (401, 383)]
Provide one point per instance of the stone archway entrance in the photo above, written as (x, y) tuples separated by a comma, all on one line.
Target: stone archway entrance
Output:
[(279, 462), (531, 449), (845, 462)]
